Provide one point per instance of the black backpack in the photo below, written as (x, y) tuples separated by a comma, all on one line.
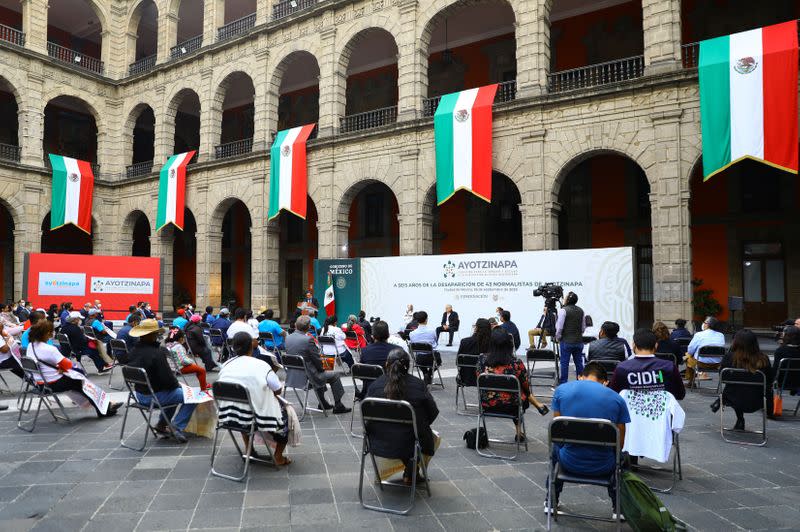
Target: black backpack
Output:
[(483, 438)]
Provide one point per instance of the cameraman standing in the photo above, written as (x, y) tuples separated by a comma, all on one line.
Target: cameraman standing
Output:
[(570, 325)]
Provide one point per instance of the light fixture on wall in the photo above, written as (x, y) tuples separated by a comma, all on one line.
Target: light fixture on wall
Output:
[(183, 49), (293, 3), (77, 59)]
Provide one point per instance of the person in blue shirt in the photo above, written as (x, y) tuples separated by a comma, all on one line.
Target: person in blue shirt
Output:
[(95, 320), (180, 322), (680, 330), (312, 316), (124, 333), (588, 397), (208, 315), (222, 322), (271, 326), (34, 317), (427, 335)]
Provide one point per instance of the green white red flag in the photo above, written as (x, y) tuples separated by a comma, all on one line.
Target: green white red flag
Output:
[(73, 186), (462, 127), (749, 98), (330, 299), (172, 191), (288, 172)]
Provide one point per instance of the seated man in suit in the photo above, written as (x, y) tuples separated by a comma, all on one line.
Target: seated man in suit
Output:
[(449, 324), (302, 344)]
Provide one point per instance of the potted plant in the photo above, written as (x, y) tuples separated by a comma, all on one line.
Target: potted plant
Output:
[(703, 303)]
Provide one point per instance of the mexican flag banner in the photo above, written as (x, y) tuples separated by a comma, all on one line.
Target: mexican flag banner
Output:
[(172, 191), (73, 186), (330, 299), (288, 178), (748, 98), (462, 129)]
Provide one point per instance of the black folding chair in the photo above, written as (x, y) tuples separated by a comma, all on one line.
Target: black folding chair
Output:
[(667, 356), (355, 352), (272, 347), (467, 377), (366, 373), (34, 386), (420, 351), (684, 343), (297, 379), (788, 377), (217, 343), (550, 376), (119, 354), (607, 364), (66, 349), (132, 377), (589, 432), (234, 404), (327, 345), (742, 378), (374, 410), (716, 352), (507, 384)]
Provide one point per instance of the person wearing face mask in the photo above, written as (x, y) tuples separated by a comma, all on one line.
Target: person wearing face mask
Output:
[(709, 336), (570, 325)]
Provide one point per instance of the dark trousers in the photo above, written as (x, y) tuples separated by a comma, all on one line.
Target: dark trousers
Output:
[(67, 384), (568, 350), (426, 360), (335, 382), (208, 360), (11, 364), (451, 331), (560, 485), (95, 356)]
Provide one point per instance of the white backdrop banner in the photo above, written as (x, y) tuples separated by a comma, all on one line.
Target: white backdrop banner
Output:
[(477, 283)]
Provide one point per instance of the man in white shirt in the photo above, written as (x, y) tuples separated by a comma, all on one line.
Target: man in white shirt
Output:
[(425, 334), (240, 325), (709, 336)]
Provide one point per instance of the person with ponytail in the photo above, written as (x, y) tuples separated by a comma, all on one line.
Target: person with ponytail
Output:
[(394, 441)]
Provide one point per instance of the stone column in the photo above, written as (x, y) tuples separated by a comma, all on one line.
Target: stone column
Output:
[(130, 49), (164, 141), (110, 155), (262, 97), (34, 24), (210, 117), (533, 47), (28, 230), (112, 62), (535, 235), (272, 260), (661, 20), (415, 217), (213, 18), (332, 84), (161, 246), (31, 121), (669, 201), (167, 35), (411, 65), (209, 265), (264, 11)]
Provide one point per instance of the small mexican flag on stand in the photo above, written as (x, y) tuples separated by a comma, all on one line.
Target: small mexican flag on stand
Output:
[(172, 191), (73, 186), (329, 301), (288, 174), (748, 98), (462, 128)]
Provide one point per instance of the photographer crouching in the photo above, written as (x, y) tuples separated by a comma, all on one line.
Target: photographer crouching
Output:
[(570, 325)]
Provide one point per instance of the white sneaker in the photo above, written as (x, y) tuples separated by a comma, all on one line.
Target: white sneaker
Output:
[(548, 510), (614, 516)]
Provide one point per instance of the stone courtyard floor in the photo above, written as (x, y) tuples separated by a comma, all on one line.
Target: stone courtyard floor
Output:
[(77, 477)]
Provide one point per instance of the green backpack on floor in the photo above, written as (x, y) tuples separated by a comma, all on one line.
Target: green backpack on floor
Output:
[(643, 511)]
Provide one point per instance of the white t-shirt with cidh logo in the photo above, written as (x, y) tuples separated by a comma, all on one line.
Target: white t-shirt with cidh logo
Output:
[(654, 415)]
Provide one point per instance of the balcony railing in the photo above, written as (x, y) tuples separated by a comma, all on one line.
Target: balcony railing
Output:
[(368, 120), (187, 46), (94, 166), (237, 27), (690, 55), (137, 169), (233, 149), (142, 65), (72, 57), (287, 7), (12, 35), (9, 152), (506, 92), (596, 75)]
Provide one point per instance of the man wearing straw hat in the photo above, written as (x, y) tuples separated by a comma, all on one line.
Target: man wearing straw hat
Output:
[(152, 357)]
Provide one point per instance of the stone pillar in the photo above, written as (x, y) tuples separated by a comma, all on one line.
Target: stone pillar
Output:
[(415, 217), (209, 265), (534, 195), (411, 65), (332, 84), (28, 230), (31, 121), (130, 49), (272, 260), (661, 21), (552, 209), (161, 246), (164, 141), (34, 24), (263, 11), (110, 155), (167, 35), (533, 47), (111, 61), (262, 97), (669, 201), (213, 18), (210, 117)]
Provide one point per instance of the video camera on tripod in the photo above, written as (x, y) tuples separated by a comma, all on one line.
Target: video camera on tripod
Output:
[(551, 292)]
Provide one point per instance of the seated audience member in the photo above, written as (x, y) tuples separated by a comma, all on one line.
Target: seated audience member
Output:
[(148, 313), (680, 330), (367, 326), (390, 440), (510, 328), (52, 312), (330, 329), (789, 348), (79, 342), (208, 315), (124, 332), (271, 326), (152, 357), (240, 324), (7, 359), (10, 321), (588, 398), (315, 326), (132, 309), (378, 351), (645, 372), (665, 345), (479, 342), (501, 361), (95, 320), (66, 308), (222, 322), (352, 325), (176, 345), (449, 325), (709, 336), (609, 346), (396, 341), (56, 369), (264, 387), (251, 321), (545, 327), (655, 416), (181, 321), (197, 343), (302, 344), (745, 354), (34, 318), (425, 334)]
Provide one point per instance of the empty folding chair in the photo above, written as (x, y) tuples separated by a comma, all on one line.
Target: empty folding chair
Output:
[(745, 384), (297, 379), (229, 395), (505, 384), (119, 354), (589, 432), (425, 359), (329, 349), (373, 411), (788, 377), (549, 376), (35, 387), (366, 373), (134, 377), (467, 377)]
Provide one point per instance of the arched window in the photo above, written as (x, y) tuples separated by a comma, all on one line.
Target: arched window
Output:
[(9, 123), (238, 115), (69, 129), (74, 34), (298, 90)]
